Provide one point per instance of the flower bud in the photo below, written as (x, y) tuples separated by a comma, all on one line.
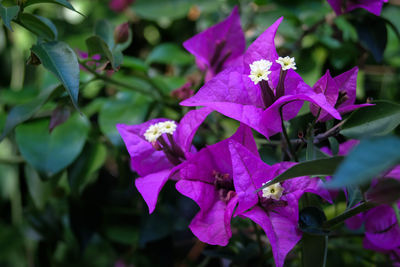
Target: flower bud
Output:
[(121, 33)]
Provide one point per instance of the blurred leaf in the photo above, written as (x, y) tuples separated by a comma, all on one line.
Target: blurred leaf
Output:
[(104, 30), (169, 54), (63, 3), (167, 9), (370, 121), (61, 60), (8, 173), (123, 234), (81, 173), (308, 168), (314, 250), (39, 190), (135, 63), (38, 25), (386, 191), (96, 45), (23, 112), (354, 195), (7, 14), (367, 160), (311, 220), (48, 152), (126, 108), (372, 34)]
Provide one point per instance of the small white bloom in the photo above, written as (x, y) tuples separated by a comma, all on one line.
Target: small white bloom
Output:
[(168, 127), (259, 70), (273, 191), (287, 63), (153, 132)]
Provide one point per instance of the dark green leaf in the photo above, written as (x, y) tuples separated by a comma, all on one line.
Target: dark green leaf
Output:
[(372, 34), (8, 14), (50, 153), (311, 220), (308, 168), (314, 250), (369, 159), (169, 54), (81, 173), (61, 60), (375, 120), (40, 26), (334, 145), (23, 112), (63, 3)]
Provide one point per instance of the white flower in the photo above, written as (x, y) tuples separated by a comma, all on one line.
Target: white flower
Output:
[(153, 132), (259, 70), (273, 191), (287, 63), (168, 127)]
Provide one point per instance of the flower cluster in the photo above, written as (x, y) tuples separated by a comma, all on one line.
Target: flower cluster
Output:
[(261, 90)]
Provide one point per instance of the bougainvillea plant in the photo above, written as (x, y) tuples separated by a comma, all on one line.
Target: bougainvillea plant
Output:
[(199, 133)]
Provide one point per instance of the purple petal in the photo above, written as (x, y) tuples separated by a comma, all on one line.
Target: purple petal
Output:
[(263, 47), (355, 222), (347, 82), (248, 175), (150, 186), (204, 45), (281, 232), (327, 86), (381, 227), (336, 6), (144, 158), (212, 224), (373, 6), (188, 126), (291, 106)]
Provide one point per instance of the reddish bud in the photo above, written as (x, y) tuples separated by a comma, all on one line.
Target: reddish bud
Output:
[(183, 92), (121, 33), (58, 117)]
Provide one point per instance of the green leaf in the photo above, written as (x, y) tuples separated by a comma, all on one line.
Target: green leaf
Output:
[(372, 34), (81, 173), (39, 190), (7, 14), (96, 45), (169, 54), (135, 63), (167, 9), (105, 31), (23, 112), (354, 195), (49, 153), (369, 159), (371, 121), (61, 60), (39, 26), (63, 3), (126, 108), (308, 168)]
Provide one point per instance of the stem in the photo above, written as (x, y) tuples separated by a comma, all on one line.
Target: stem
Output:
[(14, 160), (293, 154), (347, 214), (115, 82), (396, 211)]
